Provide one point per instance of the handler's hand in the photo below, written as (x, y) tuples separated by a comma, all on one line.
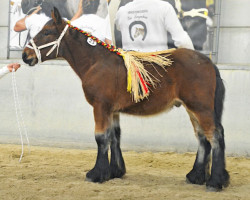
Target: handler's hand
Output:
[(13, 65), (38, 8)]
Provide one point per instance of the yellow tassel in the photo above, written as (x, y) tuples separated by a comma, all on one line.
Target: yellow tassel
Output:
[(129, 85), (134, 64)]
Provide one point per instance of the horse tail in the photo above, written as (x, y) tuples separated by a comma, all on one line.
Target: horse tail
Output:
[(219, 97)]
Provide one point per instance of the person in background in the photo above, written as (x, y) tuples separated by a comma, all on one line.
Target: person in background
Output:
[(87, 20), (33, 22), (144, 26), (5, 70), (16, 40)]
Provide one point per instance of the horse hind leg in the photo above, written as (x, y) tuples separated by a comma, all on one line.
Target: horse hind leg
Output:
[(117, 165), (219, 175), (200, 172), (212, 131)]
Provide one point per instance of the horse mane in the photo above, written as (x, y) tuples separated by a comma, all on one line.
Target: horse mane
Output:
[(138, 78)]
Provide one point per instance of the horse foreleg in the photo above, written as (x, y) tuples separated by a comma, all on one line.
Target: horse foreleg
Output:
[(200, 172), (219, 175), (117, 165), (101, 170)]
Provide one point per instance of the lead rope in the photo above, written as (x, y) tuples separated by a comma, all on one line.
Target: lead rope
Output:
[(18, 108)]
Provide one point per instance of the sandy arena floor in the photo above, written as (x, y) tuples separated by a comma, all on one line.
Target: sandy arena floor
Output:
[(51, 173)]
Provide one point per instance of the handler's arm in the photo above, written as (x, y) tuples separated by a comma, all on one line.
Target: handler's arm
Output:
[(173, 25), (20, 25), (79, 11), (5, 70)]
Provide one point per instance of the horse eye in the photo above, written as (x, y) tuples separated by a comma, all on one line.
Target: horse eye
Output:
[(46, 32)]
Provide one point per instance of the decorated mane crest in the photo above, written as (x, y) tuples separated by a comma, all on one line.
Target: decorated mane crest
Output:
[(138, 78)]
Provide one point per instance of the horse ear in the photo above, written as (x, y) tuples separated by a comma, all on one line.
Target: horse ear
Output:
[(56, 16)]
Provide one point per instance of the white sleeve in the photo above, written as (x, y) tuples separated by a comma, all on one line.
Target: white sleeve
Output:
[(108, 34), (173, 25), (118, 18), (29, 22), (4, 71)]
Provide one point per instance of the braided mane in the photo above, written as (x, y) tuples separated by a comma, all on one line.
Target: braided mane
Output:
[(111, 48)]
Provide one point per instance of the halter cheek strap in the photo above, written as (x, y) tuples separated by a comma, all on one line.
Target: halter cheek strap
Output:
[(56, 44)]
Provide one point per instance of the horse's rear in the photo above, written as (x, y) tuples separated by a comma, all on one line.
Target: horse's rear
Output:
[(201, 90), (195, 82)]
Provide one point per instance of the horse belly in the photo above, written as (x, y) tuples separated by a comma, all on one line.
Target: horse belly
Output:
[(148, 107)]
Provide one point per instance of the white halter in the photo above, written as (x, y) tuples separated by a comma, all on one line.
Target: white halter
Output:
[(55, 44)]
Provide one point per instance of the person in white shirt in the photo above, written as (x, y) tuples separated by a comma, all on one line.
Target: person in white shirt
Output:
[(87, 20), (144, 25), (34, 22), (17, 40), (5, 70)]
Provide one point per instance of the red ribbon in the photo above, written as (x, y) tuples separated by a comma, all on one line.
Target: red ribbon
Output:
[(142, 81)]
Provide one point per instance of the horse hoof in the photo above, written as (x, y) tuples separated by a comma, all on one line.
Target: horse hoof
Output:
[(88, 179), (216, 183), (226, 178), (116, 172), (188, 181), (213, 189), (213, 185), (97, 176), (194, 177)]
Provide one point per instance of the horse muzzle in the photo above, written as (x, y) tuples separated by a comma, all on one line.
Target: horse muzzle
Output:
[(29, 58)]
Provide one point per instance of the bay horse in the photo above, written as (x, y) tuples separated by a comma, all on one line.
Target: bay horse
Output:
[(192, 81)]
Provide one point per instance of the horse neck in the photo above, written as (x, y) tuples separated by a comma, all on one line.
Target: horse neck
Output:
[(80, 55)]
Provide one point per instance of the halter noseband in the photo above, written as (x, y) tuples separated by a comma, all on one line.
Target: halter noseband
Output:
[(55, 44)]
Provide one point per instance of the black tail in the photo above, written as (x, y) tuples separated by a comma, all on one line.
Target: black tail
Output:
[(219, 97)]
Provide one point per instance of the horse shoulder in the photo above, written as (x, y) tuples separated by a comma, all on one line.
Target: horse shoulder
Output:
[(105, 80)]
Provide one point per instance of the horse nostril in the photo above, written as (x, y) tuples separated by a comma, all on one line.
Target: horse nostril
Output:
[(24, 56)]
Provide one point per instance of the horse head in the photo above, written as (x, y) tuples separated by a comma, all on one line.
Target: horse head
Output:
[(45, 45)]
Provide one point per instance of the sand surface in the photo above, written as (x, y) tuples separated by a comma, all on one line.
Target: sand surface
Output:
[(52, 173)]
